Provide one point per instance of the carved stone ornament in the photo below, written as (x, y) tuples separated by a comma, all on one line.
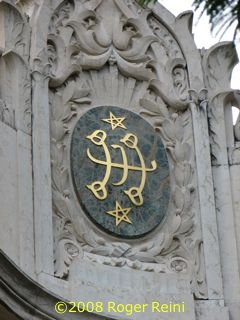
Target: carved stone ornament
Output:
[(115, 54), (218, 63), (15, 109)]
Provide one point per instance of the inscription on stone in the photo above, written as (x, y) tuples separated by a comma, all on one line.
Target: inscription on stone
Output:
[(120, 171)]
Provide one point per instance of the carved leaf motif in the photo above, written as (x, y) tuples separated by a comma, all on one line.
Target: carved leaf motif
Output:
[(134, 264), (56, 153), (148, 246), (57, 130), (180, 132), (179, 78), (55, 181), (86, 40), (163, 108), (144, 257), (181, 151), (60, 204), (102, 37), (138, 50), (169, 130), (120, 249), (217, 136), (236, 103), (80, 96), (16, 30), (188, 174), (167, 42), (179, 174), (117, 262), (187, 198), (108, 59), (101, 241), (167, 93), (154, 108), (65, 252), (121, 39), (186, 225), (64, 178), (94, 62), (6, 114), (171, 245), (174, 226), (178, 198), (139, 70), (56, 101), (68, 114), (219, 62), (68, 92), (60, 178), (73, 93), (101, 250)]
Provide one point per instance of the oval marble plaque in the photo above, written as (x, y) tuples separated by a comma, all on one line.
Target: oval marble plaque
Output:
[(120, 171)]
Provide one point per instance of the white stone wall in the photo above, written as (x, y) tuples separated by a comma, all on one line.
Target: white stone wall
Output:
[(150, 64), (16, 195)]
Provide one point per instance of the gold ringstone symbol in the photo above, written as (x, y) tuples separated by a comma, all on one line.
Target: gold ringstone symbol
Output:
[(98, 188), (115, 122), (120, 171), (120, 214)]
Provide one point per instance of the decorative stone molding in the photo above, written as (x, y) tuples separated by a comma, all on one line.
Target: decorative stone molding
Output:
[(218, 136), (131, 63), (29, 299), (15, 73), (16, 30), (85, 56), (236, 103), (7, 115), (218, 63)]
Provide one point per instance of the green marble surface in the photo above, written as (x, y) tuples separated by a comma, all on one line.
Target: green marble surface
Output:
[(156, 192)]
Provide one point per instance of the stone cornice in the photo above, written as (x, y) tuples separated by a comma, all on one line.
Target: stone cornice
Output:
[(28, 299)]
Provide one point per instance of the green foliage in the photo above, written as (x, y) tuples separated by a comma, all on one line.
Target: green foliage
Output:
[(222, 13), (146, 2)]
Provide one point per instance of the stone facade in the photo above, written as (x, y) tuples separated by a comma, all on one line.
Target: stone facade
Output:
[(63, 60)]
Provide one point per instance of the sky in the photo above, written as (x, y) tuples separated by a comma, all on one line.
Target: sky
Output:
[(202, 33), (203, 36)]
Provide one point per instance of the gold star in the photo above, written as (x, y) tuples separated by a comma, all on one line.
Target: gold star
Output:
[(114, 121), (120, 214)]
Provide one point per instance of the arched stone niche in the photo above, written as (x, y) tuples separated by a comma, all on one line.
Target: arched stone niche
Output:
[(115, 53)]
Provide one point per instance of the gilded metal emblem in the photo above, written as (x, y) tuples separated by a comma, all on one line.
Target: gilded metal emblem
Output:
[(120, 171), (98, 188)]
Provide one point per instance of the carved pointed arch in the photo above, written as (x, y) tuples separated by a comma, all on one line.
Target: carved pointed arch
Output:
[(15, 74), (126, 58), (221, 98)]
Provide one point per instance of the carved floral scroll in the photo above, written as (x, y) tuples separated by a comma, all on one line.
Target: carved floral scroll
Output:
[(126, 58)]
